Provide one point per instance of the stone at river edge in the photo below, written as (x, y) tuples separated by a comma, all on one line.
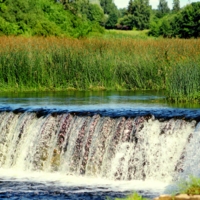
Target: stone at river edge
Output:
[(178, 197)]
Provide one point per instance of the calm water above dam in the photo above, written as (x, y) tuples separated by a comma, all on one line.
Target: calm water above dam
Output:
[(94, 145), (74, 100)]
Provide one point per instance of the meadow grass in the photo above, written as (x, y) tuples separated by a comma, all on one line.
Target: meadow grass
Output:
[(38, 64), (131, 34)]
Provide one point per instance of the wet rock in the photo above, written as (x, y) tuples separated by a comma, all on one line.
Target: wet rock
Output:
[(182, 197), (195, 197), (178, 197), (165, 197)]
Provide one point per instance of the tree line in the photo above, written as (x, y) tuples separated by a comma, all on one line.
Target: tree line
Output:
[(177, 22), (78, 18)]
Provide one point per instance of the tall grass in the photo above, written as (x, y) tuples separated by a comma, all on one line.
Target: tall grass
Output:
[(133, 34), (97, 64), (184, 81)]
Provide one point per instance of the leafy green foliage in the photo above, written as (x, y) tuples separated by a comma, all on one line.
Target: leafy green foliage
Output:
[(188, 21), (95, 13), (183, 24), (112, 21), (176, 6), (155, 28), (122, 12), (163, 8), (112, 13), (138, 15), (44, 18), (166, 27)]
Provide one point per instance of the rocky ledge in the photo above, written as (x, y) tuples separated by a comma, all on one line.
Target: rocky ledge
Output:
[(178, 197)]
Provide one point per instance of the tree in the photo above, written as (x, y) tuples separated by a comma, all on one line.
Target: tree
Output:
[(45, 17), (138, 14), (176, 6), (85, 10), (184, 24), (122, 12), (188, 21), (78, 7), (108, 6), (130, 7), (163, 8), (166, 27), (112, 20), (95, 13), (111, 11)]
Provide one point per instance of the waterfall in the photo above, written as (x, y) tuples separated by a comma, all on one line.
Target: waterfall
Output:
[(116, 148)]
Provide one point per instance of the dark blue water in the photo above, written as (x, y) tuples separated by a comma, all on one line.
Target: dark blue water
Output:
[(115, 104), (32, 190)]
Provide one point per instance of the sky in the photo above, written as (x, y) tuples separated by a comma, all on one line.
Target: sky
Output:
[(153, 3)]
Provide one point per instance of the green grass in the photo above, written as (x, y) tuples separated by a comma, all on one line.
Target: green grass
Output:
[(133, 34), (134, 196)]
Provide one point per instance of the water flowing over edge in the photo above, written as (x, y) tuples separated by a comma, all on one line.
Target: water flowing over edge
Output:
[(92, 145)]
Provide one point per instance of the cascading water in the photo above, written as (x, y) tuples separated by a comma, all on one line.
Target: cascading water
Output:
[(114, 148), (94, 145)]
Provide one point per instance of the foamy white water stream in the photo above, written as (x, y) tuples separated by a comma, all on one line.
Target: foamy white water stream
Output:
[(102, 153), (85, 182)]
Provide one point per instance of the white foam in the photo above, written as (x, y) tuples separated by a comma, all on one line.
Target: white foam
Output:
[(81, 181)]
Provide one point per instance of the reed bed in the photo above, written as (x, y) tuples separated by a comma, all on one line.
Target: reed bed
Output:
[(101, 64)]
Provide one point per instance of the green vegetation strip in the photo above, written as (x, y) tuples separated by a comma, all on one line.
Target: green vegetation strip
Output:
[(52, 64), (134, 196)]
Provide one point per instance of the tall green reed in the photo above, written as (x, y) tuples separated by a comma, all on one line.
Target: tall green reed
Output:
[(99, 64), (184, 81)]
